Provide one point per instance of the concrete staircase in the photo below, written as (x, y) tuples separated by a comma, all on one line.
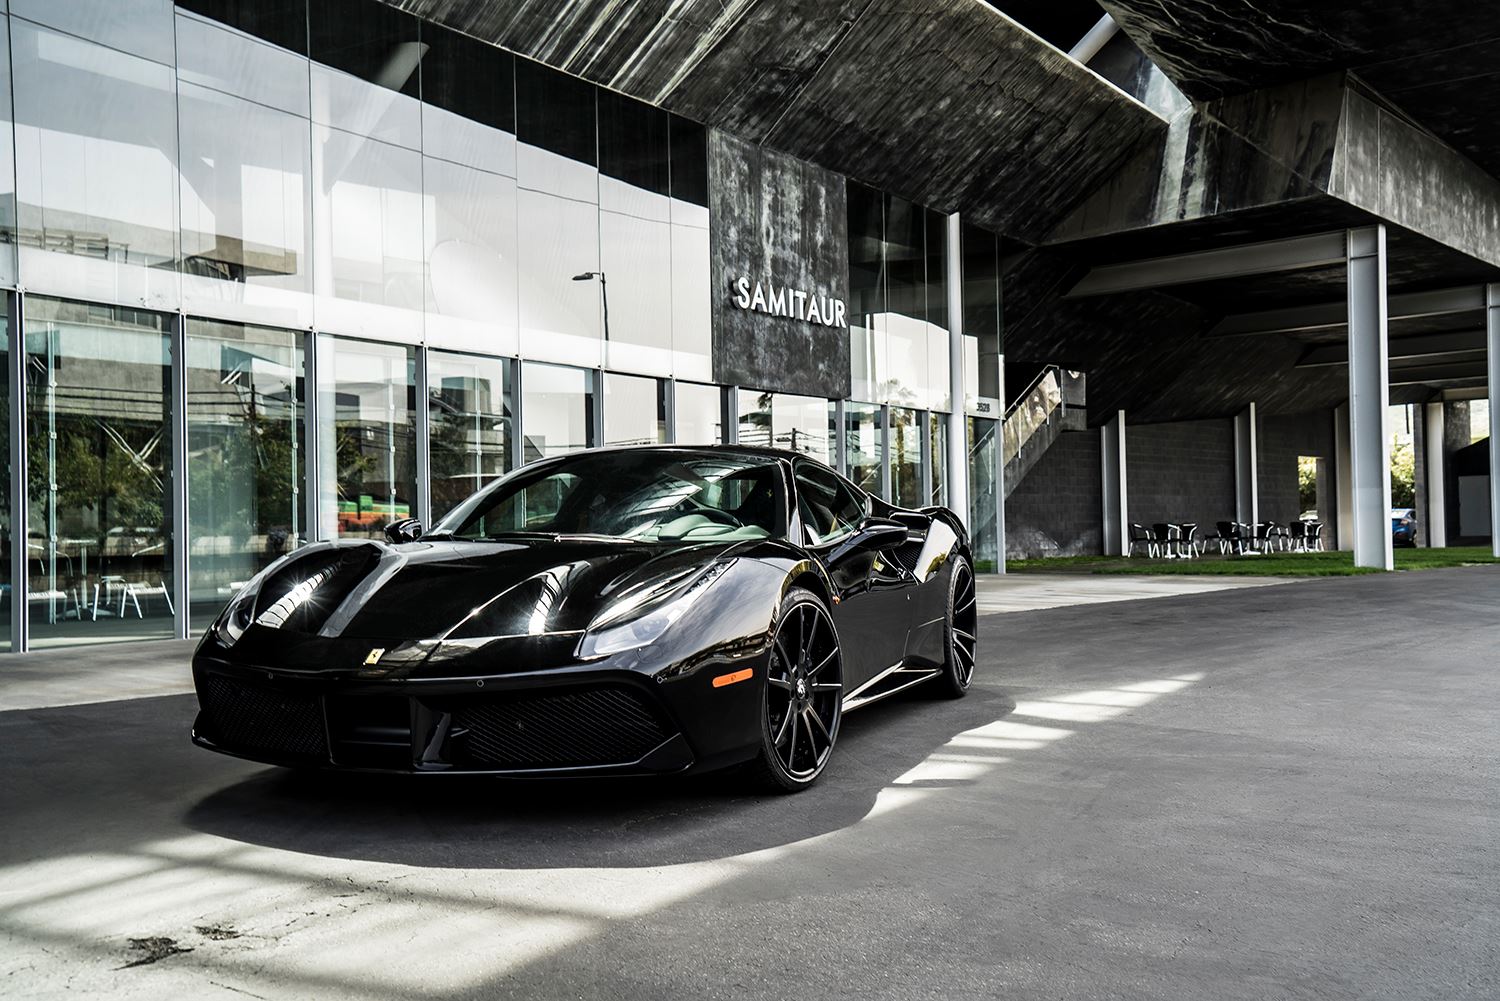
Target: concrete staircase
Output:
[(1055, 402)]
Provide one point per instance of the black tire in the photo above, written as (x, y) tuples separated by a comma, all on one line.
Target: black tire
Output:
[(802, 701), (962, 630)]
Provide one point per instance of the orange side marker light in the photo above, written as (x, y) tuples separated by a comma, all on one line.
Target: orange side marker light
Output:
[(729, 679)]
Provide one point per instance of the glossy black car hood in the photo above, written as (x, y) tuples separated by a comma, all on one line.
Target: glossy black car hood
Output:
[(431, 590)]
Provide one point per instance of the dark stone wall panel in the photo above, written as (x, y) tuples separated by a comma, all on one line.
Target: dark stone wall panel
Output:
[(779, 219), (1057, 510)]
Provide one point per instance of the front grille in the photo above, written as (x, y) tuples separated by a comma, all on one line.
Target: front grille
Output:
[(252, 718), (562, 729), (907, 554)]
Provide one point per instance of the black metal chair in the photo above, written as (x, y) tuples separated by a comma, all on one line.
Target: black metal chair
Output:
[(1166, 537), (1191, 545), (1296, 534), (1229, 537), (1140, 538)]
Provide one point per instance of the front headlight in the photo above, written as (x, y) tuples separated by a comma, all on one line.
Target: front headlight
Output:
[(615, 636), (239, 614)]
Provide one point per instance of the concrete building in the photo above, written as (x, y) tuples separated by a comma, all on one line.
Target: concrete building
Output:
[(284, 271)]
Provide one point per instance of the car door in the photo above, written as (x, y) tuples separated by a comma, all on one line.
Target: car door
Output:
[(872, 608)]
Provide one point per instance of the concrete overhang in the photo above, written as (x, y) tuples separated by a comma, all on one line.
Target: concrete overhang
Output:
[(948, 102)]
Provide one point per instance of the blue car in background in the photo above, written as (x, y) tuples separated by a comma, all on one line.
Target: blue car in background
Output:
[(1404, 526)]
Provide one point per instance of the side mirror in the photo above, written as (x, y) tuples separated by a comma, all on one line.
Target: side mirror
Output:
[(878, 533), (405, 530)]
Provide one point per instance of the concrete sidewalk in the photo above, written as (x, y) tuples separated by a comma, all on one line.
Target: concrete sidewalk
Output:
[(1024, 592)]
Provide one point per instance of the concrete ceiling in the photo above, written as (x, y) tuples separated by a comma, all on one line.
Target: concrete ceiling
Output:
[(1436, 60), (946, 102)]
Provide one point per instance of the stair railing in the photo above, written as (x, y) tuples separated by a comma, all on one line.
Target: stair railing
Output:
[(1032, 411)]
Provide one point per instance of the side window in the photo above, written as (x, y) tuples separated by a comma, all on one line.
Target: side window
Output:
[(830, 508)]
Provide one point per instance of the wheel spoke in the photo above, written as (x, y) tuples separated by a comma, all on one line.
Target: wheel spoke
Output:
[(787, 660), (786, 721), (808, 627), (821, 726), (966, 606), (780, 683), (965, 635), (827, 686), (791, 746), (823, 663), (812, 745)]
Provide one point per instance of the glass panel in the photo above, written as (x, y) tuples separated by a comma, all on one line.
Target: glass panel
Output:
[(692, 323), (96, 154), (558, 412), (753, 417), (365, 58), (937, 432), (637, 260), (984, 456), (367, 234), (800, 423), (143, 27), (245, 457), (99, 556), (689, 162), (241, 64), (560, 317), (470, 233), (906, 458), (864, 448), (7, 173), (867, 323), (635, 410), (556, 126), (469, 106), (369, 435), (699, 411), (906, 303), (246, 235), (468, 399), (283, 23)]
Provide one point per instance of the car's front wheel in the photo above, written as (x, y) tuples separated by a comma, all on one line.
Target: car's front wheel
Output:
[(804, 694)]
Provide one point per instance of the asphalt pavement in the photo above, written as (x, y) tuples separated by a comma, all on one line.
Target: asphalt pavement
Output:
[(1275, 792)]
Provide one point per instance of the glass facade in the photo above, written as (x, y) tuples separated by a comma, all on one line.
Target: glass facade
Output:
[(242, 243)]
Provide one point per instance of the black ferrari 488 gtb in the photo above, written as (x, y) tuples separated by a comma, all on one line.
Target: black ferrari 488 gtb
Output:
[(616, 611)]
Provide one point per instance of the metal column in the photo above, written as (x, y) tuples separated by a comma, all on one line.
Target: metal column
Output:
[(1246, 468), (1116, 508), (1435, 462), (314, 508), (179, 476), (1000, 471), (424, 440), (1369, 395), (1492, 345), (958, 438), (20, 533)]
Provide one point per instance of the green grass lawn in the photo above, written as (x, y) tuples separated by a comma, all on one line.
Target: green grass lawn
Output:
[(1273, 565)]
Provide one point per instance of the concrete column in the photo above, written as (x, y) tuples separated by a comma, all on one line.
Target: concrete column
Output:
[(1369, 395), (1000, 474), (1343, 481), (958, 429), (1116, 509), (1246, 468), (1434, 462)]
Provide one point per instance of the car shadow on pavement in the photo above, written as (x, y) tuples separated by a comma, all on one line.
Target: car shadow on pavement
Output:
[(484, 822)]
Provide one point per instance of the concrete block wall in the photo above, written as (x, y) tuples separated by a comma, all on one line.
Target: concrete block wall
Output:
[(1056, 509), (1281, 441), (1180, 472)]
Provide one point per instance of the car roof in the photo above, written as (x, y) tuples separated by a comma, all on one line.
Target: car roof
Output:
[(764, 451)]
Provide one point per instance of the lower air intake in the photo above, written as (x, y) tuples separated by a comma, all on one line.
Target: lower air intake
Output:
[(251, 718), (560, 729)]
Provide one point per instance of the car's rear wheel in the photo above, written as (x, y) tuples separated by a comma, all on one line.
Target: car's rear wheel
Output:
[(804, 694), (963, 630)]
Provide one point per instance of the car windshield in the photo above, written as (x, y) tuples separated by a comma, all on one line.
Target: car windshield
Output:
[(663, 497)]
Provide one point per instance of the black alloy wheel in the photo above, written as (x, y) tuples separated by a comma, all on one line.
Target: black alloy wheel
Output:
[(963, 630), (804, 695)]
